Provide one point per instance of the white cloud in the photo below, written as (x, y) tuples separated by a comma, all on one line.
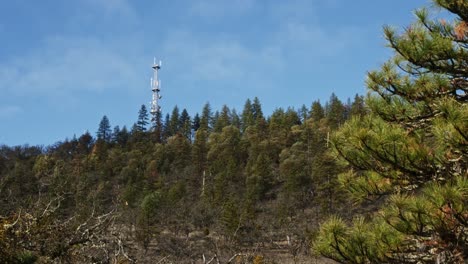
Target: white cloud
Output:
[(66, 64), (312, 40), (220, 8), (219, 58), (113, 7), (8, 111)]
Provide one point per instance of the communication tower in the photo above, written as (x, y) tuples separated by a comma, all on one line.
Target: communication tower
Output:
[(156, 88)]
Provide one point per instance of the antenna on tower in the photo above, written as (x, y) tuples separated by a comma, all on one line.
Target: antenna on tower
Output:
[(155, 88)]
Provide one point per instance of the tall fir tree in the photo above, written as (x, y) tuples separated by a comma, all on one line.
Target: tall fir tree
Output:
[(206, 117), (104, 131), (303, 113), (223, 120), (335, 111), (358, 107), (196, 122), (247, 118), (235, 119), (174, 123), (185, 124), (411, 150), (157, 127), (257, 110), (143, 118), (316, 111), (166, 128)]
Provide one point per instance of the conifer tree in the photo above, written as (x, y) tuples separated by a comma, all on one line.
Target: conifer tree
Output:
[(235, 119), (303, 112), (174, 123), (185, 124), (200, 150), (316, 111), (411, 150), (206, 117), (115, 133), (122, 137), (157, 127), (85, 143), (143, 118), (104, 131), (167, 127), (248, 118), (358, 107), (223, 120), (196, 122), (214, 121), (257, 110), (335, 111)]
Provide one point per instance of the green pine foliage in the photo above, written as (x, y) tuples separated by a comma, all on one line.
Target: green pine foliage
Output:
[(410, 153)]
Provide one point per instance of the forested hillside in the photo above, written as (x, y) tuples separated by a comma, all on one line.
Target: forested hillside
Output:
[(215, 184)]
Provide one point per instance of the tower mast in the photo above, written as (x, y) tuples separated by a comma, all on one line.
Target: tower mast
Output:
[(155, 88)]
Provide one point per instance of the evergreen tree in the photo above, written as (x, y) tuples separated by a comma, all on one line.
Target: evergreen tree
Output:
[(196, 122), (214, 120), (358, 107), (223, 120), (104, 131), (85, 143), (174, 123), (206, 117), (235, 119), (248, 118), (143, 118), (335, 111), (122, 136), (260, 181), (411, 149), (257, 110), (303, 113), (157, 127), (291, 117), (185, 125), (316, 111), (200, 150), (115, 133), (167, 128)]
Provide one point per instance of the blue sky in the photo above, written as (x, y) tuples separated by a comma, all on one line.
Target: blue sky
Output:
[(65, 64)]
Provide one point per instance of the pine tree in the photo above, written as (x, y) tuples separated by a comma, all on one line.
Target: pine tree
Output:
[(104, 131), (167, 127), (157, 127), (412, 149), (235, 119), (316, 111), (223, 119), (257, 110), (143, 118), (303, 112), (214, 121), (196, 123), (185, 124), (206, 117), (122, 136), (248, 118), (199, 151), (85, 143), (174, 123), (358, 107), (335, 112)]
